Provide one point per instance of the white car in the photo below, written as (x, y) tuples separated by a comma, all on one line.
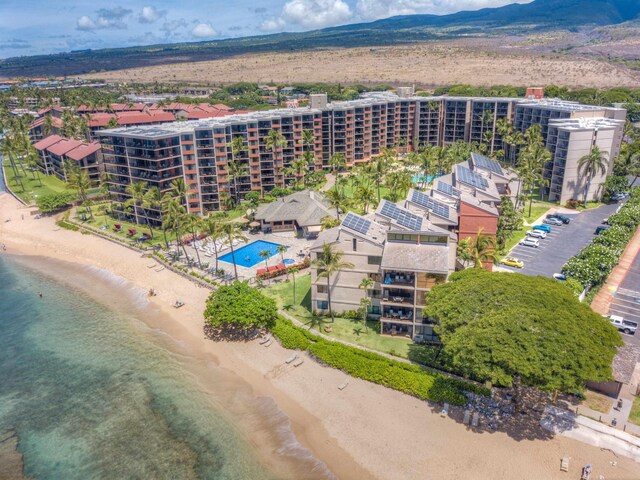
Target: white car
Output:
[(552, 221), (530, 242), (536, 234)]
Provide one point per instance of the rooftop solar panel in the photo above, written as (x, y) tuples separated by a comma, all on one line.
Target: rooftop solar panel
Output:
[(401, 216), (356, 223), (486, 163), (448, 189), (426, 201), (469, 177)]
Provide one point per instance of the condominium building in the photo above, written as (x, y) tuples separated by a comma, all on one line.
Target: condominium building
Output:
[(55, 152), (358, 129), (572, 139)]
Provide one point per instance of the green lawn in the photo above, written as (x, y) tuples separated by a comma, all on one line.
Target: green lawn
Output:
[(634, 416), (537, 210), (346, 329), (32, 187), (515, 237), (101, 220)]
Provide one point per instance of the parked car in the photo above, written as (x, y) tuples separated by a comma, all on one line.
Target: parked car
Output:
[(626, 326), (542, 228), (513, 262), (552, 221), (561, 277), (602, 228), (563, 218), (530, 242), (619, 196), (536, 234)]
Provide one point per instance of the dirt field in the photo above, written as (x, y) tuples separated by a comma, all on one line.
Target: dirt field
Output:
[(514, 62)]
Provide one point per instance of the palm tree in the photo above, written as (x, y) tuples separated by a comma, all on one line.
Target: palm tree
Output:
[(193, 224), (337, 200), (590, 165), (364, 193), (274, 142), (173, 213), (179, 189), (483, 249), (152, 201), (265, 254), (136, 192), (9, 151), (366, 284), (337, 162), (308, 139), (328, 264), (532, 160), (398, 182), (78, 180), (214, 232), (236, 168), (380, 165), (329, 222), (233, 232), (293, 271), (33, 163), (299, 168)]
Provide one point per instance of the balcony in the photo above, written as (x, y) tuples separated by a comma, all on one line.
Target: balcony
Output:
[(397, 329), (402, 314), (399, 278), (398, 297)]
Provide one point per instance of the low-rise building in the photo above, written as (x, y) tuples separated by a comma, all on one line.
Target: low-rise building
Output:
[(55, 151), (301, 212)]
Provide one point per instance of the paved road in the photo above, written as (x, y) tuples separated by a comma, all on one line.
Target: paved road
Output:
[(562, 243)]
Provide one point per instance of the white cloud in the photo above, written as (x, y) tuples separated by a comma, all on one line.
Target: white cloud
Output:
[(150, 14), (309, 14), (375, 9), (107, 18), (204, 30)]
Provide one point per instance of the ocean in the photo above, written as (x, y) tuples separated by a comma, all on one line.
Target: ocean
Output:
[(93, 392)]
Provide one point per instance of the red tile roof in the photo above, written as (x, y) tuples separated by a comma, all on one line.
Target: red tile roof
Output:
[(63, 146), (130, 118), (114, 107), (55, 121), (47, 142), (82, 151)]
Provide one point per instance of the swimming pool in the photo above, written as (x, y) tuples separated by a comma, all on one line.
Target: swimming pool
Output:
[(420, 179), (247, 256)]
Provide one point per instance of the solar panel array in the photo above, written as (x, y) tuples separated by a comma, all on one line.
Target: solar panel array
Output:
[(402, 217), (426, 201), (356, 223), (469, 177), (486, 163), (448, 189)]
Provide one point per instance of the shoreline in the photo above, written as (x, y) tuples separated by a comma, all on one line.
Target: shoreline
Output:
[(363, 429)]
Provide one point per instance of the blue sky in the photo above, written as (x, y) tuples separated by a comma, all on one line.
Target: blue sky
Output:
[(31, 27)]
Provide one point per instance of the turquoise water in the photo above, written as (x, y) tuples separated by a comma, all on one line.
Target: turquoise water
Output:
[(248, 256), (93, 393), (420, 179)]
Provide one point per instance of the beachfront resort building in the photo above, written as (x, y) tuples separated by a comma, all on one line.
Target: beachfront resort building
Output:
[(301, 212), (57, 152), (408, 247), (200, 150)]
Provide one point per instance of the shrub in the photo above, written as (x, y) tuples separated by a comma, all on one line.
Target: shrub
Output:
[(572, 203), (291, 336), (237, 308), (52, 202)]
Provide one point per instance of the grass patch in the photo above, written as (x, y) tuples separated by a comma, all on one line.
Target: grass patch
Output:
[(32, 188), (599, 403), (346, 329), (634, 416), (100, 221), (537, 210), (515, 238)]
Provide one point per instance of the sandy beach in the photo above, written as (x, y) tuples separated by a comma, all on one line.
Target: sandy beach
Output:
[(363, 431)]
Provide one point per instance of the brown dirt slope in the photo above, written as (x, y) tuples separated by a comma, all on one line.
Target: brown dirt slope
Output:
[(434, 63)]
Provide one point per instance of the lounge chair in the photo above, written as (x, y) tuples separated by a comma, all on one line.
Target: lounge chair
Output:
[(475, 419), (159, 269), (291, 358), (299, 362), (445, 410), (268, 343), (178, 304), (342, 386), (467, 417), (265, 340), (152, 265)]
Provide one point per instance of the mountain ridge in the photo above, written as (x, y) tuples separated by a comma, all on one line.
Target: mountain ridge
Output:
[(537, 16)]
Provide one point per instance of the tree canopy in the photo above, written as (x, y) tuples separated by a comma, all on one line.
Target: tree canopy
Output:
[(498, 326), (238, 307)]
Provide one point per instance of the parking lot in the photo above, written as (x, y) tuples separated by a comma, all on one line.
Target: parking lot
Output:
[(562, 243), (626, 299)]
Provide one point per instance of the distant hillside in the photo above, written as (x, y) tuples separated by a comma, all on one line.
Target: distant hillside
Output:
[(539, 15)]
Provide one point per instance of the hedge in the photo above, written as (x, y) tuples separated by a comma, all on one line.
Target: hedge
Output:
[(290, 336), (407, 378), (593, 264)]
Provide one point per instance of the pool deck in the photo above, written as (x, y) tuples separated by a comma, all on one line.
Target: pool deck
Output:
[(295, 245)]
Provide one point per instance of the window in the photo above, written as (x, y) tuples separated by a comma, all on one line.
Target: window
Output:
[(374, 260), (375, 293), (374, 310), (322, 304), (354, 242), (321, 288)]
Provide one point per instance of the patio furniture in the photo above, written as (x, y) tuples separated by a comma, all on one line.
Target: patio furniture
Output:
[(265, 340), (445, 410), (178, 304), (131, 232), (564, 464), (291, 358), (299, 362), (475, 419), (342, 386), (268, 343), (467, 417), (117, 227)]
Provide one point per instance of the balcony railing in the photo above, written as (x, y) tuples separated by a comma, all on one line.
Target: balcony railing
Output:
[(398, 278)]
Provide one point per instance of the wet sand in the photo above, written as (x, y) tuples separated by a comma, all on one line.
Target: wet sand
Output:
[(364, 431)]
